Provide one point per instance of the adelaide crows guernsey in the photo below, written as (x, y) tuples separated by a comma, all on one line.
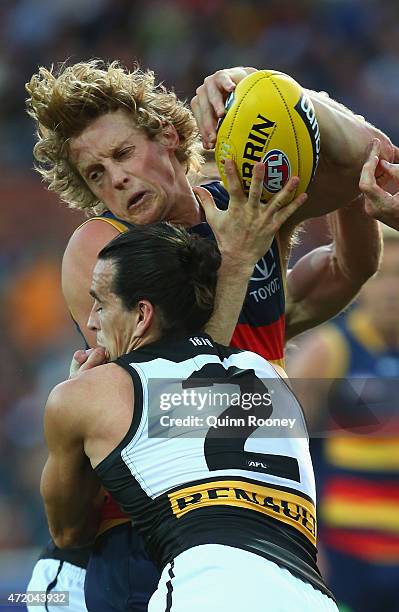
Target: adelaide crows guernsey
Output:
[(198, 472)]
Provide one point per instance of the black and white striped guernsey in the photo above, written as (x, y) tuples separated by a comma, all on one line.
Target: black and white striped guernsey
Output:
[(233, 483)]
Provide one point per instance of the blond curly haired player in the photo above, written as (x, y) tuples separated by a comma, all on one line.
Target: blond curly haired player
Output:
[(116, 144)]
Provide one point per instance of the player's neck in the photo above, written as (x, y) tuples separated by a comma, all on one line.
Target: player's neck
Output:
[(187, 210), (138, 342)]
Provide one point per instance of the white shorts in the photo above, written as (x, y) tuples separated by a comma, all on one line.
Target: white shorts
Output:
[(70, 578), (213, 578)]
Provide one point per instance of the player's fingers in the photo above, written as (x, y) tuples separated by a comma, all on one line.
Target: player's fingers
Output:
[(373, 148), (255, 191), (201, 121), (208, 103), (370, 188), (217, 87), (375, 206), (79, 357), (285, 212), (205, 117), (367, 175), (225, 79), (195, 107), (238, 73), (391, 169), (96, 357), (234, 187), (207, 202), (284, 196), (395, 154)]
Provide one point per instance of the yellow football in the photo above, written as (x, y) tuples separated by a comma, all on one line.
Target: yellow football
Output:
[(270, 119)]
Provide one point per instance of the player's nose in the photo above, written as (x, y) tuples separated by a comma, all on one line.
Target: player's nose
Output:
[(92, 322), (119, 178)]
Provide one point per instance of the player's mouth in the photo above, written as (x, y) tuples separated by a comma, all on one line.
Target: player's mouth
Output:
[(137, 199)]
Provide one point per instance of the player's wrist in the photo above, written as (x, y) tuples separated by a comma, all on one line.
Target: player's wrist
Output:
[(233, 263)]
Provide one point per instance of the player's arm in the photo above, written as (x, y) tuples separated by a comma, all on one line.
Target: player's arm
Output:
[(326, 280), (380, 203), (77, 267), (244, 232), (344, 141), (69, 486)]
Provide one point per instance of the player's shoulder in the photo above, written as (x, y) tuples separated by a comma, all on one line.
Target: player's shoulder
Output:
[(102, 376), (91, 388), (92, 235), (83, 247)]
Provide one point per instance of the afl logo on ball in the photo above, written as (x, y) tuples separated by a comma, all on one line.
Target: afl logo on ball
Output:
[(277, 170)]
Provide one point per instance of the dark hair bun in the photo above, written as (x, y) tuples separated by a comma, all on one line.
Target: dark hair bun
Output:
[(200, 258)]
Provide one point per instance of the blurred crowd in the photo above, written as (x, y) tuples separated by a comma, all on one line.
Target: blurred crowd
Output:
[(349, 48)]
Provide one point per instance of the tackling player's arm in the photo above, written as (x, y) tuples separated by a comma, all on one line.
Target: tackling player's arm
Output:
[(69, 486), (326, 280), (77, 267), (345, 141)]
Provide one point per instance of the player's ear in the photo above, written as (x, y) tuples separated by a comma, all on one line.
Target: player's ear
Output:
[(144, 317), (170, 137)]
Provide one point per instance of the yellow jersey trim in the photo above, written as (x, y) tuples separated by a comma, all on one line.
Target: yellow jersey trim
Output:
[(289, 508), (119, 225), (279, 362)]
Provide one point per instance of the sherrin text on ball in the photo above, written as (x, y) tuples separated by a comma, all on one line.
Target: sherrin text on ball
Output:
[(270, 119)]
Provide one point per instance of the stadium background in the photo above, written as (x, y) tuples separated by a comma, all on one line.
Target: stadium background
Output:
[(349, 48)]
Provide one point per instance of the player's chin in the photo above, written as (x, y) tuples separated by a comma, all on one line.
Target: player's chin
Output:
[(111, 355), (151, 211)]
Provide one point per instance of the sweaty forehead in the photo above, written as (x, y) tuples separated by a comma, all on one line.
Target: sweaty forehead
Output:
[(102, 278)]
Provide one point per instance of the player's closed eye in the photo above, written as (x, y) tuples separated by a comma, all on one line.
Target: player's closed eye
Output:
[(124, 152)]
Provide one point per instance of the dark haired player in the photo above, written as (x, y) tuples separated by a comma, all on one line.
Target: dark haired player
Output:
[(224, 534)]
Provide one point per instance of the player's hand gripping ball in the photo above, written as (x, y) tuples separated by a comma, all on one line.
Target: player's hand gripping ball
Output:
[(269, 118)]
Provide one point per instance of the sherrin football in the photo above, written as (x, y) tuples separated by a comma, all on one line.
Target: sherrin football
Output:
[(269, 118)]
